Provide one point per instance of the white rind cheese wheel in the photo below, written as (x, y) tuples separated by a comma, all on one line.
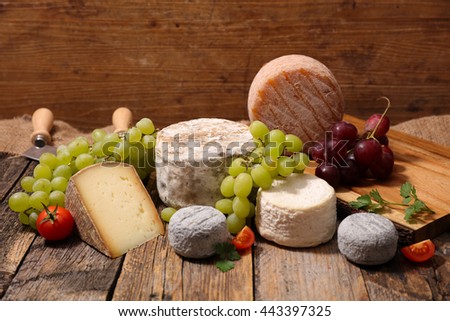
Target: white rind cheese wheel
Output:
[(191, 159), (113, 211), (298, 95), (297, 211)]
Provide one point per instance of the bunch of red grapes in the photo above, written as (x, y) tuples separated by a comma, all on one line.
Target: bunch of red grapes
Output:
[(344, 157)]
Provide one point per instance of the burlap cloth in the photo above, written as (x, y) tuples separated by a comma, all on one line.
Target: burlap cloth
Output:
[(15, 132)]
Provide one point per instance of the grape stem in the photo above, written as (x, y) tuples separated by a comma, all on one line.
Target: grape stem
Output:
[(381, 118)]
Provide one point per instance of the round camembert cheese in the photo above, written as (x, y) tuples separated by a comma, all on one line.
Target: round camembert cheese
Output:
[(191, 159), (298, 211)]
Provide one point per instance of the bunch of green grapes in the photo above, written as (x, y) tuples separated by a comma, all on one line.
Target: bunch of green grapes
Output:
[(276, 155), (50, 177)]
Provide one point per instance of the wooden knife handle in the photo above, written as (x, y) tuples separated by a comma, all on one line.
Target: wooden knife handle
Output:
[(42, 121), (121, 119)]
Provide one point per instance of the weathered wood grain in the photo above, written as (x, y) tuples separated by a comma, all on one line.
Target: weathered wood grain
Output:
[(64, 270), (15, 239), (402, 279), (177, 60), (318, 273)]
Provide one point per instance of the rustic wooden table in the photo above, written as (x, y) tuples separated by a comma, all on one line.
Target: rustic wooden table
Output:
[(33, 269)]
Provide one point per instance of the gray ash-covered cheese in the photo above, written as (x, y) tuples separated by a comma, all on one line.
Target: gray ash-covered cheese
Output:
[(194, 230), (367, 239), (192, 158)]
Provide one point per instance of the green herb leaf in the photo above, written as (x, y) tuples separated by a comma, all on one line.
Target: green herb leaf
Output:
[(377, 197), (406, 200), (225, 265), (361, 202), (227, 253), (409, 212), (405, 189)]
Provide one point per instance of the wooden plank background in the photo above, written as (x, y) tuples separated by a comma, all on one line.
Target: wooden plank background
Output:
[(177, 60)]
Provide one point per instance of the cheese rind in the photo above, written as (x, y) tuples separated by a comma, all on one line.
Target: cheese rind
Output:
[(191, 159), (113, 211), (297, 211), (297, 94)]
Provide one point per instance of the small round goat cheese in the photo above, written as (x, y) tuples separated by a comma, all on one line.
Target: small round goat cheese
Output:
[(194, 230), (297, 211), (367, 239)]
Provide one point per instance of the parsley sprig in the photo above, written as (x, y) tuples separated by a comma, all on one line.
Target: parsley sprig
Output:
[(227, 254), (410, 200)]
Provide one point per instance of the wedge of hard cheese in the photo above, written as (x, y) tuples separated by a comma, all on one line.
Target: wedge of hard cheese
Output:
[(111, 208)]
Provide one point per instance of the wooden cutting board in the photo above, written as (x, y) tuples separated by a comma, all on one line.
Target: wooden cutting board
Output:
[(425, 165)]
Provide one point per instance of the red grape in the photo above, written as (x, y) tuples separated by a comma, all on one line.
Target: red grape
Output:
[(344, 131), (336, 151), (384, 140), (318, 151), (350, 173), (329, 172), (383, 127), (367, 152), (382, 168)]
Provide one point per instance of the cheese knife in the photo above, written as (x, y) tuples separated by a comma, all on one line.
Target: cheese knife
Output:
[(42, 121), (121, 120)]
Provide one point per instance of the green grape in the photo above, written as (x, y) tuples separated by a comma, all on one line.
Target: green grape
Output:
[(42, 171), (27, 183), (146, 126), (252, 210), (59, 183), (258, 129), (258, 143), (225, 205), (274, 150), (137, 155), (276, 136), (19, 202), (82, 138), (134, 135), (78, 146), (98, 135), (167, 213), (61, 148), (237, 167), (241, 207), (122, 150), (227, 186), (63, 171), (270, 165), (32, 218), (257, 154), (64, 157), (57, 198), (23, 218), (234, 223), (48, 159), (293, 143), (148, 141), (301, 161), (73, 168), (261, 177), (97, 149), (285, 166), (37, 199), (84, 160), (243, 185), (42, 184)]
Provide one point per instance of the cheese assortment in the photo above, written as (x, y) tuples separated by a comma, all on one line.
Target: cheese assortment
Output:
[(112, 209), (297, 211), (192, 157)]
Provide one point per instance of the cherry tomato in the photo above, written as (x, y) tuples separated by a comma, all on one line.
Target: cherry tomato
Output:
[(244, 239), (419, 252), (55, 223)]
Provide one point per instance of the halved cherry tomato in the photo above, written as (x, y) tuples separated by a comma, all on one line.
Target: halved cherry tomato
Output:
[(419, 252), (55, 223), (244, 239)]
